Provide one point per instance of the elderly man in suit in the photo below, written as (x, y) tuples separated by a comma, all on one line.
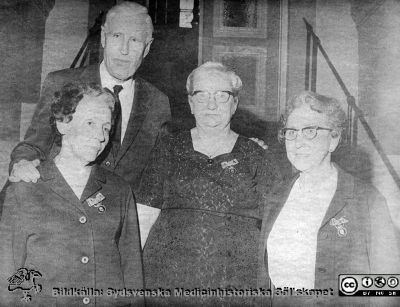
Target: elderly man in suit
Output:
[(126, 38), (77, 227)]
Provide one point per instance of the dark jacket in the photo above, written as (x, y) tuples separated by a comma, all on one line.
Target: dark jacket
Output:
[(369, 246), (45, 227), (150, 110)]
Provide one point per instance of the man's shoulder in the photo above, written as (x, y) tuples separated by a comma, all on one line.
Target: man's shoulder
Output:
[(112, 179), (150, 88), (73, 74)]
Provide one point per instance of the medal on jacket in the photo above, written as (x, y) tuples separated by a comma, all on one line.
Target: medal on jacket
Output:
[(229, 165), (96, 202), (338, 224)]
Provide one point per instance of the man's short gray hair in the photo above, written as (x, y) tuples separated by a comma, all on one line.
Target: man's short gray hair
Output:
[(210, 67), (133, 10)]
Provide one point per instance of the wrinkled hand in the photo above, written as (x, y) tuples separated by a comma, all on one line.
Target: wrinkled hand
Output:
[(25, 170), (260, 143)]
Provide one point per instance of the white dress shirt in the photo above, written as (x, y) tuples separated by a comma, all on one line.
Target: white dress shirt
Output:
[(125, 96), (292, 242)]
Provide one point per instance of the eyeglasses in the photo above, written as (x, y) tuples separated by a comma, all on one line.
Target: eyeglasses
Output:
[(219, 96), (290, 134)]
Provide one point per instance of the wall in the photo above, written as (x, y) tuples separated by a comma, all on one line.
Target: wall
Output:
[(378, 27), (338, 34), (22, 27), (297, 40), (33, 46), (361, 39), (66, 29)]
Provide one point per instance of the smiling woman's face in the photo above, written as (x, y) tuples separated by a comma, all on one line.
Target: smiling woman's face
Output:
[(305, 154), (211, 113)]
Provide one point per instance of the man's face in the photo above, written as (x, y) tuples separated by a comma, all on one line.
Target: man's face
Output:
[(124, 41), (212, 113), (87, 134), (305, 154)]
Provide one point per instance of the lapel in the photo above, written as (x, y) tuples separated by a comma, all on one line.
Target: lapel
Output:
[(278, 198), (95, 183), (275, 201), (50, 174), (136, 118), (344, 193)]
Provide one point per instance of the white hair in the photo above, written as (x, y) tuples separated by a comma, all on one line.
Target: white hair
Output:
[(210, 67), (134, 10)]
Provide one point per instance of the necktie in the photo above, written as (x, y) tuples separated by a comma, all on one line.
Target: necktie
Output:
[(118, 117)]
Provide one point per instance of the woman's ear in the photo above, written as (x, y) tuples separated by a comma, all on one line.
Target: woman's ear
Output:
[(191, 104), (235, 104), (147, 48), (62, 127), (335, 139), (103, 36)]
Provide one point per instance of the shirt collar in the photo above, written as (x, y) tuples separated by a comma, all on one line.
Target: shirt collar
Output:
[(109, 82)]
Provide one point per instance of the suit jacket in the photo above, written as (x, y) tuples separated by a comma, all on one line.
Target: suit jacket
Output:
[(150, 110), (45, 227), (370, 245)]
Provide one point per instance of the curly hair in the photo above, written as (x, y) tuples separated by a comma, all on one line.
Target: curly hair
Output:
[(66, 100), (321, 104), (215, 67)]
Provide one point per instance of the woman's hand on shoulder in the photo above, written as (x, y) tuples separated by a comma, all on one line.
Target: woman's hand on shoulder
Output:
[(261, 143)]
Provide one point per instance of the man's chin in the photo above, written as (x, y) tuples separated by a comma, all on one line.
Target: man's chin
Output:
[(121, 76)]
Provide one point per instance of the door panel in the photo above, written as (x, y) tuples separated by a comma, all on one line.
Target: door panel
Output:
[(244, 35)]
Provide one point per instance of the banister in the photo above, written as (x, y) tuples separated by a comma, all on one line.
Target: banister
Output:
[(94, 30), (352, 107)]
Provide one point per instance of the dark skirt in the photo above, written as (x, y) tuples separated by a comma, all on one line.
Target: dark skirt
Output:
[(213, 255)]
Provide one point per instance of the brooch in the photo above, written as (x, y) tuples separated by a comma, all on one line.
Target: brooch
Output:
[(96, 202), (338, 224), (229, 165)]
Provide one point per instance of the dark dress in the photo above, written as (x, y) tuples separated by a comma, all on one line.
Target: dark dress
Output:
[(208, 230)]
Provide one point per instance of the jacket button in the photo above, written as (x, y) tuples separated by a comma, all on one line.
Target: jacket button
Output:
[(82, 219), (84, 259), (322, 270), (210, 161), (101, 209), (86, 300), (108, 163)]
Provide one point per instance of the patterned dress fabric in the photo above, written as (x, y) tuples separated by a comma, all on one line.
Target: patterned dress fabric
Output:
[(208, 230)]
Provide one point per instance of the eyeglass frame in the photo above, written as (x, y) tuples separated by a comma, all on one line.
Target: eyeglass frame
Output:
[(317, 128), (194, 93)]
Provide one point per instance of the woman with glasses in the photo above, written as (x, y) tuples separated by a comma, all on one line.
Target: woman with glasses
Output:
[(323, 222), (209, 183)]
